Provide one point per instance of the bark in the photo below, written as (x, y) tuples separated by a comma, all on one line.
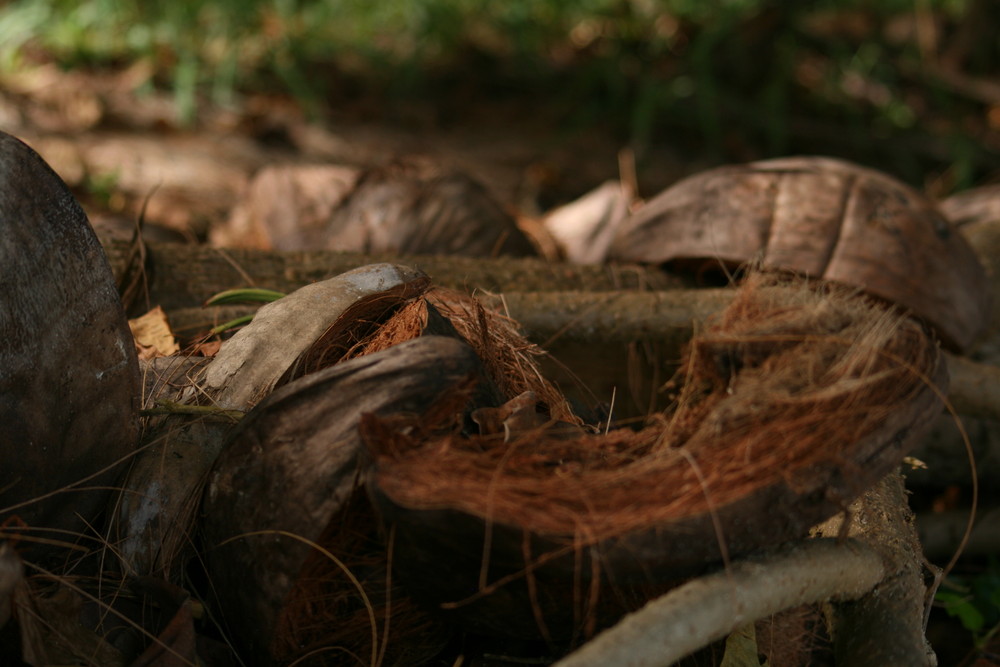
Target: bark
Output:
[(179, 276), (885, 627)]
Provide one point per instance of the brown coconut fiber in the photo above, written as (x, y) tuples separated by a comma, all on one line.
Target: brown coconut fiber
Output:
[(787, 406), (509, 359), (326, 620)]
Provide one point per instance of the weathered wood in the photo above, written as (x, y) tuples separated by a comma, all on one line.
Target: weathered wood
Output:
[(885, 626)]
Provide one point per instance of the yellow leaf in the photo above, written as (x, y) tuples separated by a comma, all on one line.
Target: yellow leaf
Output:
[(153, 337), (741, 648)]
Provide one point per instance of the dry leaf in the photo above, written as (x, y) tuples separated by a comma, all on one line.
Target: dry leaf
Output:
[(153, 337), (207, 349), (741, 648), (68, 641)]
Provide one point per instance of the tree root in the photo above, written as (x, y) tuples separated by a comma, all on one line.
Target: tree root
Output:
[(711, 607), (873, 580)]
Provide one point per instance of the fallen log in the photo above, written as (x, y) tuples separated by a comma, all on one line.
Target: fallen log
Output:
[(667, 316), (180, 275)]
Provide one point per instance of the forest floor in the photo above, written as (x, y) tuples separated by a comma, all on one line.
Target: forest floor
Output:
[(120, 148)]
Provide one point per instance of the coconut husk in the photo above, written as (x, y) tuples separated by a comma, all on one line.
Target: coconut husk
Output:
[(286, 332), (306, 331), (509, 359), (408, 206), (292, 469), (824, 218), (69, 381), (793, 401), (325, 618), (285, 489), (585, 228), (415, 205), (153, 515)]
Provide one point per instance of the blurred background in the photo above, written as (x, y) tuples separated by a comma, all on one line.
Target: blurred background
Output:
[(908, 86)]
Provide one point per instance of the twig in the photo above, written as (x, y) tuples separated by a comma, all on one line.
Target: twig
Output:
[(164, 407)]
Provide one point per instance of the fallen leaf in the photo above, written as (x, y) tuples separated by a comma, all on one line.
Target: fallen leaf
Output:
[(741, 648), (208, 349), (153, 337)]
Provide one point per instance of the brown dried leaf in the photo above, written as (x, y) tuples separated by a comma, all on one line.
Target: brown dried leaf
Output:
[(153, 337), (207, 349)]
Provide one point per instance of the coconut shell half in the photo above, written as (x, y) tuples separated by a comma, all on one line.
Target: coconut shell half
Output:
[(69, 379), (824, 218), (787, 408)]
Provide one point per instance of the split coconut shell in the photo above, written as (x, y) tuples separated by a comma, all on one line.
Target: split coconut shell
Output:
[(299, 333), (824, 218), (794, 401), (283, 495), (69, 380), (286, 502), (412, 206)]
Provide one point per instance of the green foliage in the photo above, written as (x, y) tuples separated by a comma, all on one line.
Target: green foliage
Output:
[(102, 186), (244, 295), (975, 601), (718, 73)]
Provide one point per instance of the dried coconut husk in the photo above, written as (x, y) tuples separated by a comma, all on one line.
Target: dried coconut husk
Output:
[(284, 522), (292, 466), (413, 206), (792, 402), (825, 218), (284, 333), (68, 370), (153, 516), (509, 359), (326, 619)]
